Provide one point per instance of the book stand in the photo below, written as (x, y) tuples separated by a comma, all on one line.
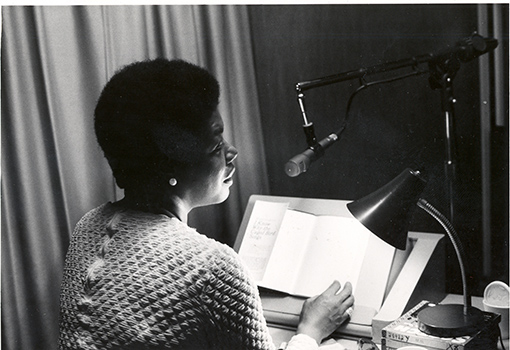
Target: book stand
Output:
[(416, 274)]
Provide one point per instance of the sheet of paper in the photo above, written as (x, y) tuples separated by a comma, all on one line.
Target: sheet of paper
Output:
[(301, 253), (335, 251), (371, 287), (260, 236), (288, 254)]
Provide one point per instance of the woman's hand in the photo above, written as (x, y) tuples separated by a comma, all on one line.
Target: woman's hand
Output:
[(323, 314)]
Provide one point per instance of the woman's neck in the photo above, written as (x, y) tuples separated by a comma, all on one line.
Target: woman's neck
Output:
[(177, 207), (172, 206)]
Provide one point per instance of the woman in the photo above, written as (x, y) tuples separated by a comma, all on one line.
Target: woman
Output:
[(136, 276)]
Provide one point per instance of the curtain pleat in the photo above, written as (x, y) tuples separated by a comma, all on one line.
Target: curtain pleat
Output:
[(51, 166), (55, 61)]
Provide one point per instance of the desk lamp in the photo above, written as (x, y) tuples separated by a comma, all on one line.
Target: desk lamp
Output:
[(387, 212)]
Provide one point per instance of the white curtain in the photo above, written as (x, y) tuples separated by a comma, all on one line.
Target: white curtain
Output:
[(55, 60)]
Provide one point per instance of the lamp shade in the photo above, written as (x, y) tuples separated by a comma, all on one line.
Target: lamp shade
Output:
[(387, 212)]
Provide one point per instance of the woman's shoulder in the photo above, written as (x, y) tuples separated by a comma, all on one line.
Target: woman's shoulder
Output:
[(215, 251), (223, 262), (203, 257), (173, 236), (207, 252), (226, 280), (96, 214), (212, 250)]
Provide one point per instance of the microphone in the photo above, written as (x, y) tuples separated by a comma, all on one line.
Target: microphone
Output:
[(471, 47), (301, 162), (467, 49)]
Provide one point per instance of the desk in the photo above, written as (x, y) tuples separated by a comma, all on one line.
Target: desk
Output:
[(283, 334)]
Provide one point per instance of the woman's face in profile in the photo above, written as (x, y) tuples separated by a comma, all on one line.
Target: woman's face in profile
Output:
[(208, 181)]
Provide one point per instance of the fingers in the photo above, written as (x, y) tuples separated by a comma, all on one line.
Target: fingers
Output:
[(347, 290), (349, 305), (324, 313), (333, 288), (341, 298), (345, 301), (344, 311)]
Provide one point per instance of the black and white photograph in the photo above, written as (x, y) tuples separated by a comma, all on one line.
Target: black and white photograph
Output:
[(255, 176)]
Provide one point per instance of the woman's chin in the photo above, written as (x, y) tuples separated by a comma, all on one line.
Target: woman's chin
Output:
[(222, 196)]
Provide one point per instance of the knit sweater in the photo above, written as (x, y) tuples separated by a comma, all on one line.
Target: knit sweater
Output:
[(135, 280)]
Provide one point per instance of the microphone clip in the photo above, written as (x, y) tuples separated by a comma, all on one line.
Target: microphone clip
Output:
[(311, 139), (317, 149)]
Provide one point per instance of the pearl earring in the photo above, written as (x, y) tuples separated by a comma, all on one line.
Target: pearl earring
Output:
[(172, 181)]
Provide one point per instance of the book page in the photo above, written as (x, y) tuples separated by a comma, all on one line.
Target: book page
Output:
[(335, 251), (260, 236), (375, 272), (288, 254)]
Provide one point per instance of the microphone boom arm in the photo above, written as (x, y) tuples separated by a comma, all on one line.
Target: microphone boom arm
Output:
[(448, 60), (465, 50), (362, 72)]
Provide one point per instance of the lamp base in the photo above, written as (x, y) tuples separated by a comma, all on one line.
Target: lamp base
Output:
[(448, 320)]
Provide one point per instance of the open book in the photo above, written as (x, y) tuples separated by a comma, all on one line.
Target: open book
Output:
[(301, 253)]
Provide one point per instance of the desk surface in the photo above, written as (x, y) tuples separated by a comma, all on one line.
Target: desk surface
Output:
[(281, 335)]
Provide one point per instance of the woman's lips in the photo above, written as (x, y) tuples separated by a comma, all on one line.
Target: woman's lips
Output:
[(229, 179)]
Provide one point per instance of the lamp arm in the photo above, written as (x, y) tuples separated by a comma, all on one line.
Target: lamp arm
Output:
[(422, 203)]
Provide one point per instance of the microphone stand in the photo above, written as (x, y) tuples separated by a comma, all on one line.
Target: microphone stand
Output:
[(441, 77), (443, 66)]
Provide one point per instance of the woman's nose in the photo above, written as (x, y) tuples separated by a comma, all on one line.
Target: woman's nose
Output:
[(231, 153)]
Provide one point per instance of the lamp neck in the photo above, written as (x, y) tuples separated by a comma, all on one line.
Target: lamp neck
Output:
[(459, 250)]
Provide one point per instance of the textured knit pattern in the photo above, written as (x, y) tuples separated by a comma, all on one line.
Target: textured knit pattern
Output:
[(135, 280)]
